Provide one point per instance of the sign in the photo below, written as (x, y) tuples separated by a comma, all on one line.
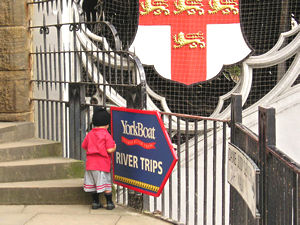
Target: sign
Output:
[(243, 176), (145, 157), (189, 41)]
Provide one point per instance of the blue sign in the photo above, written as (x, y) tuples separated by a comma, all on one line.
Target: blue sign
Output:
[(145, 157)]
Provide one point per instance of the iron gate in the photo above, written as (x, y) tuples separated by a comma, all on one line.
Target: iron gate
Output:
[(75, 70)]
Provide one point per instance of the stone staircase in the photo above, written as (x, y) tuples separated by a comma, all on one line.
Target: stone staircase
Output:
[(33, 171)]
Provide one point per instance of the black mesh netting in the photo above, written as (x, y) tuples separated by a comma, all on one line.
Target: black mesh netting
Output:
[(262, 21)]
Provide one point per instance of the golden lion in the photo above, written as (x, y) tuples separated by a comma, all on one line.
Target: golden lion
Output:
[(182, 41), (226, 7), (191, 7), (157, 7)]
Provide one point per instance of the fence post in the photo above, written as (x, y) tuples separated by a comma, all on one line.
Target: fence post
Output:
[(238, 209), (267, 137), (236, 114), (136, 99), (76, 120)]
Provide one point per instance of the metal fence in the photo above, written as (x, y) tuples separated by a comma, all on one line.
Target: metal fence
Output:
[(197, 190), (72, 74), (278, 186)]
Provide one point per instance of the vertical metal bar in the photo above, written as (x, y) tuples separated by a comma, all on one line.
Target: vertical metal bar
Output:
[(178, 170), (223, 171), (155, 204), (187, 165), (104, 77), (124, 195), (58, 122), (296, 199), (37, 67), (87, 56), (170, 179), (214, 170), (82, 110), (47, 7), (77, 124), (205, 174), (89, 120), (50, 68), (196, 172), (48, 118), (61, 5), (52, 120), (42, 67), (128, 69), (122, 68), (45, 32), (163, 210), (87, 62), (98, 67), (55, 69), (109, 68), (118, 194), (163, 207), (70, 65), (64, 68), (61, 76), (74, 47), (39, 119), (116, 68), (45, 53), (67, 119), (43, 118), (82, 133)]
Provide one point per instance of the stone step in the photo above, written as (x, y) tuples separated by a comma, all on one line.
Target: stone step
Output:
[(56, 192), (41, 169), (29, 149), (15, 131)]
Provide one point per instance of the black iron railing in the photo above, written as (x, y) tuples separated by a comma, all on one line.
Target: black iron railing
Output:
[(278, 187)]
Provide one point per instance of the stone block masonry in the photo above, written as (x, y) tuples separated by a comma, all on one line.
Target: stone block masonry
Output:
[(13, 13), (15, 65)]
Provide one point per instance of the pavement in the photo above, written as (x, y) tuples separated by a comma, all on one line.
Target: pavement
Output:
[(73, 215)]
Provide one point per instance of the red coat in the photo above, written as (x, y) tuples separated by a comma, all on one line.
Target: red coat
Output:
[(96, 142)]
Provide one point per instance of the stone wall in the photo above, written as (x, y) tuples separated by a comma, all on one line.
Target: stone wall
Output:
[(15, 70)]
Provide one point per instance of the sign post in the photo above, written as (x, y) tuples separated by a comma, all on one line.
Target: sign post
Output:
[(145, 157)]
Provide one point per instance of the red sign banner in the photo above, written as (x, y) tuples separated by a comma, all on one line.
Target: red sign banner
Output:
[(144, 145)]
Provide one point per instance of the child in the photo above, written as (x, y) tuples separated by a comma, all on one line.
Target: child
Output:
[(99, 145)]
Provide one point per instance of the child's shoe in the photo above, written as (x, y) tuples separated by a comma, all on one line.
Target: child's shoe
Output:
[(96, 204), (110, 204)]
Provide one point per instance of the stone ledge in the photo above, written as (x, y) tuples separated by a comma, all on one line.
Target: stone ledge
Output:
[(11, 117)]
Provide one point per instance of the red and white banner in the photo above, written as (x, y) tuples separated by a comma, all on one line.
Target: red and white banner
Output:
[(189, 41)]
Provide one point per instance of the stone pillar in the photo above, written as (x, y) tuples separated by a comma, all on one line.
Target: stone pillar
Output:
[(15, 72)]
